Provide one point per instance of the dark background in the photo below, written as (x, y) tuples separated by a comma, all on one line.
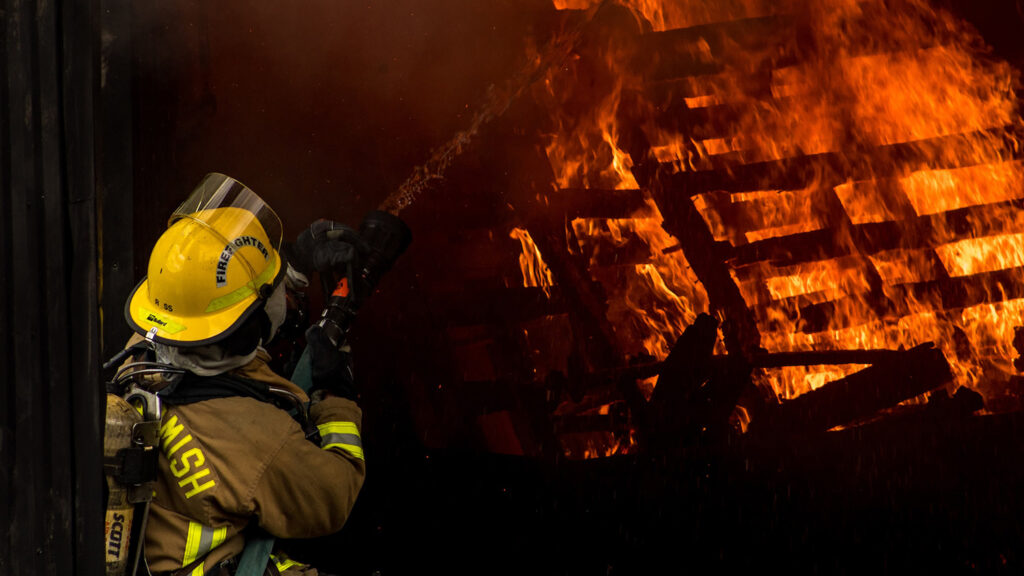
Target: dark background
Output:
[(113, 110)]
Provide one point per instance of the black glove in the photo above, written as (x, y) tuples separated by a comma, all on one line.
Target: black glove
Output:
[(325, 246), (331, 368)]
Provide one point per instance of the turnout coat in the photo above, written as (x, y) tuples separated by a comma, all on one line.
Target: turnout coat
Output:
[(230, 464)]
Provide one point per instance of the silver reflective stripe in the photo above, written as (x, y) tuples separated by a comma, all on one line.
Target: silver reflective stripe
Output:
[(205, 541), (349, 439), (343, 435)]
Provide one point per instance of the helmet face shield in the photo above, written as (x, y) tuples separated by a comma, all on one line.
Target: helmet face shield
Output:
[(220, 191), (211, 268)]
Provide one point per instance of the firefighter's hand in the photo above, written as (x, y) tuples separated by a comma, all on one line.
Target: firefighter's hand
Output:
[(323, 248), (331, 368)]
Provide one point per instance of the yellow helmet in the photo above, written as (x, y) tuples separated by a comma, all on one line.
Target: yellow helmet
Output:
[(211, 269)]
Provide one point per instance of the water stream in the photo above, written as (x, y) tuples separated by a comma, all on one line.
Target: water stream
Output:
[(498, 100)]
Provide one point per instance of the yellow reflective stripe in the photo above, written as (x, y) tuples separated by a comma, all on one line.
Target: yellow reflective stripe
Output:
[(344, 435), (219, 535), (244, 291), (338, 428), (199, 570), (200, 540), (285, 564), (352, 449), (195, 536)]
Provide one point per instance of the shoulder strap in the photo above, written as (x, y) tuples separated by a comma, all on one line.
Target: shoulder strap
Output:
[(194, 388), (255, 556)]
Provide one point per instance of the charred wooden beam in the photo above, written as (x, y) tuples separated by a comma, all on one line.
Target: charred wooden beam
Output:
[(694, 396), (905, 375), (778, 40), (914, 233), (946, 294), (584, 298), (709, 48), (615, 420), (816, 318), (719, 120), (630, 254), (824, 357), (834, 168), (785, 210), (875, 297), (705, 255), (803, 247), (967, 291), (729, 85), (759, 360)]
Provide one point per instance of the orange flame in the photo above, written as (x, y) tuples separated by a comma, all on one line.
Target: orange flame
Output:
[(535, 272), (900, 105), (650, 303)]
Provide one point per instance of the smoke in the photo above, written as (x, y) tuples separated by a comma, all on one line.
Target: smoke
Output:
[(322, 109)]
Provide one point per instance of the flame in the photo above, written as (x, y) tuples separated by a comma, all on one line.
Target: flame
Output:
[(883, 75), (535, 272), (740, 419), (936, 191), (791, 381), (832, 278), (878, 124), (585, 151), (980, 255), (650, 303)]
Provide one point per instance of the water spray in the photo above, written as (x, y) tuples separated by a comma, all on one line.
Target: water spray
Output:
[(497, 103)]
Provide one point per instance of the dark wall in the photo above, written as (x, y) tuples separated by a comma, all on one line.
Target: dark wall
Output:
[(50, 398)]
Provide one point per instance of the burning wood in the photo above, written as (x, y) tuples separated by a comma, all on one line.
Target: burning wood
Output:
[(840, 184), (886, 149), (902, 376)]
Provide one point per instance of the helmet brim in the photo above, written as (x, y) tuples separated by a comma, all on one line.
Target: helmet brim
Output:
[(165, 327)]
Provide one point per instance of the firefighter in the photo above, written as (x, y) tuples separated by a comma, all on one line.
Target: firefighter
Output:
[(233, 462)]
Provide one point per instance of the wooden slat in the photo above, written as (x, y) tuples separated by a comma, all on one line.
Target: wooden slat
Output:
[(948, 293), (834, 168), (710, 48), (917, 233), (705, 255), (906, 375), (583, 297)]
